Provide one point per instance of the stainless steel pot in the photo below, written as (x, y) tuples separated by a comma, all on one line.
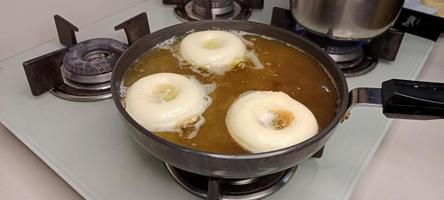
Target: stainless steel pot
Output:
[(398, 97), (346, 19)]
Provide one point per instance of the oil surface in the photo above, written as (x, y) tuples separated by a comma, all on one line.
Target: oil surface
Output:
[(285, 69)]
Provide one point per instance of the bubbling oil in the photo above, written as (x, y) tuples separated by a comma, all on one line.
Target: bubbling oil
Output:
[(285, 68)]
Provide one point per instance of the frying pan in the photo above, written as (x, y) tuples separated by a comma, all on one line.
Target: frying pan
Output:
[(400, 98)]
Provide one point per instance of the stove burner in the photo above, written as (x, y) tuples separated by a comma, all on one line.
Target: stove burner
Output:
[(233, 189), (346, 57), (87, 68), (194, 12), (95, 93), (218, 7), (81, 71), (351, 56), (353, 60), (358, 67), (341, 48), (92, 61)]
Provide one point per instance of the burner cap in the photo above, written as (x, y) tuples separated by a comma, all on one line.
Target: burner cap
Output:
[(92, 61), (341, 47), (334, 46), (87, 69), (221, 9), (351, 56), (233, 189), (214, 3), (359, 66)]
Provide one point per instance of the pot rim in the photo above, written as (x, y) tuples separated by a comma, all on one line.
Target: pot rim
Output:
[(340, 110)]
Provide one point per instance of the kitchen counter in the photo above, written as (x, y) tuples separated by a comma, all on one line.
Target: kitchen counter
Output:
[(406, 166)]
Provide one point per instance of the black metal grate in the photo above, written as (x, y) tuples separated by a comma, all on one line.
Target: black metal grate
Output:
[(44, 72)]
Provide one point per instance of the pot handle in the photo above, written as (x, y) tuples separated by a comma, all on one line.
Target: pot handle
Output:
[(213, 192), (403, 99)]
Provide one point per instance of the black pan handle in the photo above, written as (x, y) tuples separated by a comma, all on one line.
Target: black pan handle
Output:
[(403, 99), (413, 99)]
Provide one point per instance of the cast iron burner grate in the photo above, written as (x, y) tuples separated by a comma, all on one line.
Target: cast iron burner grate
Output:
[(81, 71), (232, 189), (355, 58), (194, 10)]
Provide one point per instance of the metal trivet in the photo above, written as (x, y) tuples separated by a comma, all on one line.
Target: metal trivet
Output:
[(81, 71), (193, 10), (231, 189)]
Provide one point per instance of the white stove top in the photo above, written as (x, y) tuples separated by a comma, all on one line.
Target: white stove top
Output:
[(88, 145)]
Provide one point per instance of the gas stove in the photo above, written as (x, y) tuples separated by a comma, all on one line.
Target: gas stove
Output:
[(88, 146)]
